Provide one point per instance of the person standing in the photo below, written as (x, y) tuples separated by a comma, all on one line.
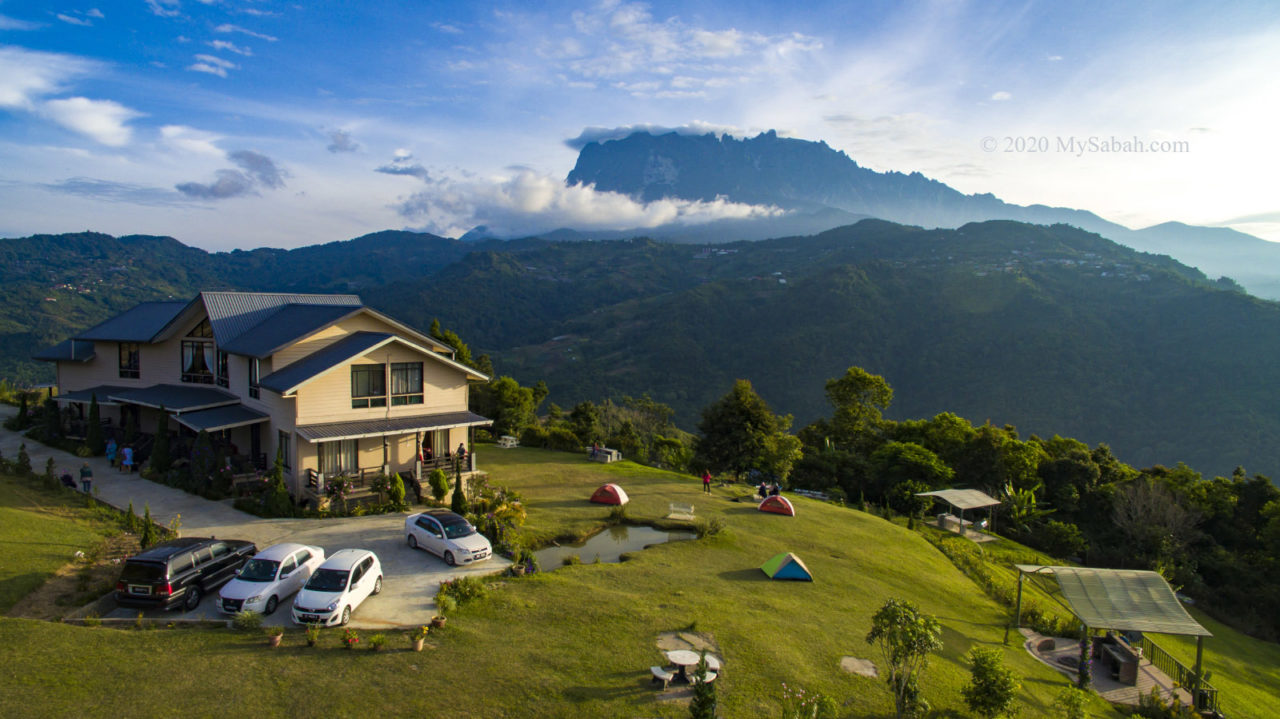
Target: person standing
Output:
[(111, 452), (126, 464), (706, 481), (86, 478)]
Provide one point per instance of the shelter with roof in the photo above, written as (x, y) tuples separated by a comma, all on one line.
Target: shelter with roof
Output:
[(961, 500), (1127, 600), (339, 388)]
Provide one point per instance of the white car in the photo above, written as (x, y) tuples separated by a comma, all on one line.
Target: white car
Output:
[(275, 573), (446, 535), (347, 578)]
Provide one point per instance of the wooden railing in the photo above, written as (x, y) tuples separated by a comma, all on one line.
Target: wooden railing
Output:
[(1205, 697)]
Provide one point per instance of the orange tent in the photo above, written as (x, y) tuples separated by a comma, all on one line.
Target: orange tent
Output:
[(778, 504), (610, 494)]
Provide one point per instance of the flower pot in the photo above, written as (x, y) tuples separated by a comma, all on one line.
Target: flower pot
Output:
[(437, 622), (273, 640), (417, 644)]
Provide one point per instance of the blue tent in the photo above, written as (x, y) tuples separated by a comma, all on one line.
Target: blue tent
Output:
[(787, 566)]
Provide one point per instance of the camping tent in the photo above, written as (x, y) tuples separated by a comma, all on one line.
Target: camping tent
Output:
[(778, 504), (610, 494), (787, 566)]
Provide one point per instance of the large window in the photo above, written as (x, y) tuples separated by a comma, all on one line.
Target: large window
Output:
[(406, 383), (197, 362), (368, 385), (254, 370), (284, 449), (338, 458), (223, 371), (130, 360)]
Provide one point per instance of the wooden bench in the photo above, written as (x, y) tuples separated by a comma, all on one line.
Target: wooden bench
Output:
[(661, 675), (683, 512), (506, 441)]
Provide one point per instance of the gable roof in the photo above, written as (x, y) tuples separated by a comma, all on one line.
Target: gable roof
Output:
[(284, 326), (289, 378), (137, 324), (231, 314)]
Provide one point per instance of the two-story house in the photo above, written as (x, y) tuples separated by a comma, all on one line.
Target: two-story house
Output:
[(339, 388)]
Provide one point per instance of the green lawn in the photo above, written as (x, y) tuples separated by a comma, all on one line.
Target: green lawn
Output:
[(575, 642), (1246, 671), (40, 531)]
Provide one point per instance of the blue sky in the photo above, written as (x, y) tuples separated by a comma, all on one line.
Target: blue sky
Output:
[(243, 123)]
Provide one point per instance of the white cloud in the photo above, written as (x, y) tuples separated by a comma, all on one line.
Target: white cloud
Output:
[(212, 65), (228, 27), (1001, 96), (95, 12), (13, 23), (447, 28), (529, 202), (230, 47), (165, 8), (190, 140), (1054, 58), (70, 20), (26, 75), (103, 120), (342, 141), (604, 134)]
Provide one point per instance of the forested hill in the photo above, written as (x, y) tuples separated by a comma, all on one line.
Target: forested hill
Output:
[(1052, 329)]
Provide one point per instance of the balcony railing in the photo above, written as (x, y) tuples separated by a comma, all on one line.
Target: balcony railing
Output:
[(1205, 697)]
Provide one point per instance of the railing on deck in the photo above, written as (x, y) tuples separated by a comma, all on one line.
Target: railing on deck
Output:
[(1205, 699)]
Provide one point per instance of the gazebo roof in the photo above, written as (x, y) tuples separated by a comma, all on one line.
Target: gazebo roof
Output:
[(1123, 599), (962, 498)]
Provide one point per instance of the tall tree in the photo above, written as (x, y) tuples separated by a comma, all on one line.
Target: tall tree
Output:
[(161, 459), (859, 399), (736, 432), (906, 638), (459, 502), (703, 705), (93, 436)]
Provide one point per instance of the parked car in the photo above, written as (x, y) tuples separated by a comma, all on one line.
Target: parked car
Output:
[(177, 573), (347, 578), (275, 573), (447, 535)]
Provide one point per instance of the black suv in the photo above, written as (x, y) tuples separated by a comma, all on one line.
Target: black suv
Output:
[(179, 572)]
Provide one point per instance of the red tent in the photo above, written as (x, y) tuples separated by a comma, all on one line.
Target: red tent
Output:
[(610, 494), (778, 504)]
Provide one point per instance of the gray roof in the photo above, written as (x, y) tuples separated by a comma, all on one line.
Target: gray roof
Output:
[(394, 425), (212, 420), (176, 398), (67, 351), (284, 326), (103, 392), (1122, 599), (138, 324), (962, 498), (231, 314), (287, 378)]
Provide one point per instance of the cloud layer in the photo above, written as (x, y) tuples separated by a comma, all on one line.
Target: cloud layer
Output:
[(604, 134), (256, 170)]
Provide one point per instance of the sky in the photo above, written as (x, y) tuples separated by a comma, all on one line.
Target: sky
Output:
[(248, 123)]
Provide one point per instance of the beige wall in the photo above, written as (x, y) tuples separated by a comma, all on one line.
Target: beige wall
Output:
[(328, 397)]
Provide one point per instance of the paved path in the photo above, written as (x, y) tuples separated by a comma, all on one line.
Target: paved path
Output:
[(411, 577)]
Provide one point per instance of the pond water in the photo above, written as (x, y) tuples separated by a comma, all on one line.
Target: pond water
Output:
[(609, 545)]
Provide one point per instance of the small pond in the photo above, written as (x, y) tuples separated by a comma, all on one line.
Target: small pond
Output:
[(609, 545)]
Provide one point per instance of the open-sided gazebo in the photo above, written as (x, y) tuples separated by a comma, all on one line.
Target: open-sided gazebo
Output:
[(1128, 600), (961, 500)]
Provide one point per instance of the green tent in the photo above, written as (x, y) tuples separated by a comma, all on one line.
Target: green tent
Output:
[(787, 566)]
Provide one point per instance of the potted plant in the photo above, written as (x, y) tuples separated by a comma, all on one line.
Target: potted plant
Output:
[(418, 637), (274, 635), (350, 639), (377, 641), (437, 622), (313, 634)]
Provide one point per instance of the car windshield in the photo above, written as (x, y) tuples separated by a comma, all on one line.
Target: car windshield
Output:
[(258, 570), (143, 572), (328, 580), (458, 528)]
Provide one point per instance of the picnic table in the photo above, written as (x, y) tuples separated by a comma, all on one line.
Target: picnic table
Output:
[(506, 441), (687, 661)]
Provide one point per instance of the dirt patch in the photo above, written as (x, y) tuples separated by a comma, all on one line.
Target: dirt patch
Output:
[(861, 667), (79, 582), (678, 689)]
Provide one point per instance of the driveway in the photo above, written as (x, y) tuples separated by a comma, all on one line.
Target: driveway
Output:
[(410, 577)]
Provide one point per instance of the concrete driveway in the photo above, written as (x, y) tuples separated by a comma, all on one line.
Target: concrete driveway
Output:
[(410, 577)]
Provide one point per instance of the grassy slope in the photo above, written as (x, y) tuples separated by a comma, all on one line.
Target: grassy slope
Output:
[(574, 642), (39, 532), (1246, 671)]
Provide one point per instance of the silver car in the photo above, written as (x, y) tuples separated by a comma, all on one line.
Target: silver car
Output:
[(448, 536)]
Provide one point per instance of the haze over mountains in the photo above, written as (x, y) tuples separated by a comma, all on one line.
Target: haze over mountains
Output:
[(821, 185)]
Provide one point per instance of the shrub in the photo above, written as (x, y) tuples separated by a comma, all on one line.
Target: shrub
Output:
[(992, 692), (130, 519), (535, 436), (84, 452), (247, 621), (160, 456), (459, 501), (710, 527), (313, 634), (23, 466), (463, 589), (439, 482), (563, 439), (93, 437), (396, 491), (350, 639), (572, 559), (446, 604), (377, 642), (1070, 703), (148, 537)]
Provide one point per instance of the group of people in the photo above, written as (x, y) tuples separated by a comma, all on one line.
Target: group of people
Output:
[(86, 472), (426, 455), (768, 490), (126, 456)]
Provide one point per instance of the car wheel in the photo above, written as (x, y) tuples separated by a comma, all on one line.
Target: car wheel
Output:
[(413, 541), (377, 586), (272, 603), (346, 615), (448, 559), (193, 599)]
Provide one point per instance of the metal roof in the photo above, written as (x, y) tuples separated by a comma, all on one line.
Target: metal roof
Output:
[(67, 351), (395, 425), (231, 314), (138, 324), (1121, 599), (102, 391), (962, 498), (212, 420), (289, 377), (285, 326), (176, 398)]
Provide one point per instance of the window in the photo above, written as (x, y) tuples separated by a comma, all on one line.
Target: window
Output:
[(406, 383), (304, 556), (338, 458), (254, 371), (283, 444), (130, 360), (368, 385), (223, 372), (197, 362), (289, 565), (220, 550), (202, 330)]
